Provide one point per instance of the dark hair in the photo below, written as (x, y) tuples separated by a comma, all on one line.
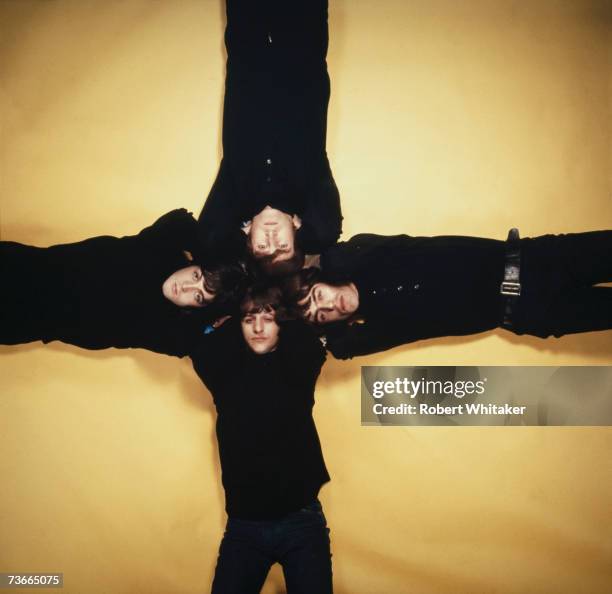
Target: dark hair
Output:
[(265, 298), (258, 299), (227, 281), (270, 265), (297, 287)]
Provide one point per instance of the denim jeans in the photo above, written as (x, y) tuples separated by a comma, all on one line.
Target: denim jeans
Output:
[(298, 541)]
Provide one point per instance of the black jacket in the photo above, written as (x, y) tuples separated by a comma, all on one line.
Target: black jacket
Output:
[(274, 126), (271, 458), (411, 288), (101, 292)]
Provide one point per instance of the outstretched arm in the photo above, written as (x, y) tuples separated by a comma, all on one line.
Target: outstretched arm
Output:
[(348, 341), (322, 218), (219, 222), (216, 353)]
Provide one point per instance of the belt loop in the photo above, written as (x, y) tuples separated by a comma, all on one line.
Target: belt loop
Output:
[(510, 287)]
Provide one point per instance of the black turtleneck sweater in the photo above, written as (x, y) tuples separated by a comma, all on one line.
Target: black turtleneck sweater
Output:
[(271, 458)]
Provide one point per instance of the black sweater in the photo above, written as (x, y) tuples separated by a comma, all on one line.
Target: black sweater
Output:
[(271, 458)]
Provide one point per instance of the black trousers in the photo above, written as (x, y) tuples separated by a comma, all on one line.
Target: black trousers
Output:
[(276, 86), (558, 274)]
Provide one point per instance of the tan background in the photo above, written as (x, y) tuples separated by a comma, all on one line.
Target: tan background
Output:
[(446, 117)]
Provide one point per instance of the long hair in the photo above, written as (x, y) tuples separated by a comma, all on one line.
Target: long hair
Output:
[(297, 287)]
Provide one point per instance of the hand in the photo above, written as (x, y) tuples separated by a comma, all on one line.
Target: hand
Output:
[(220, 321)]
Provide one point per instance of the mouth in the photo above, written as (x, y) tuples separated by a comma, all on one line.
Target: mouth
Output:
[(175, 289), (259, 338), (342, 304)]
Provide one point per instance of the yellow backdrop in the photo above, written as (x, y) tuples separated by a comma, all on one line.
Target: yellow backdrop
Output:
[(446, 117)]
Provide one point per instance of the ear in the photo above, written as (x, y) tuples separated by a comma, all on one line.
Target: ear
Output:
[(297, 222), (246, 227), (188, 255), (312, 261)]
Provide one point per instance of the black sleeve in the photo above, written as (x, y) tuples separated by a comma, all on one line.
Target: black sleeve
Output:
[(348, 341), (219, 225), (362, 251), (215, 354), (175, 336), (322, 217), (172, 223), (346, 256), (176, 230), (302, 353)]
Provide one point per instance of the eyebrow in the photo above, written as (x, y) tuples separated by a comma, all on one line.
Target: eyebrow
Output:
[(307, 308)]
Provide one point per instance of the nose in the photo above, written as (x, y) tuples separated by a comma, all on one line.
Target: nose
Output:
[(280, 244), (258, 326), (326, 303), (191, 285)]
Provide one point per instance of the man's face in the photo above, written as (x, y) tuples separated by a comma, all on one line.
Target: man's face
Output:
[(187, 288), (327, 303), (272, 231), (260, 331)]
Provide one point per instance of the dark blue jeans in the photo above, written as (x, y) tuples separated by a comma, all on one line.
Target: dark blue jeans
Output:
[(298, 541)]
